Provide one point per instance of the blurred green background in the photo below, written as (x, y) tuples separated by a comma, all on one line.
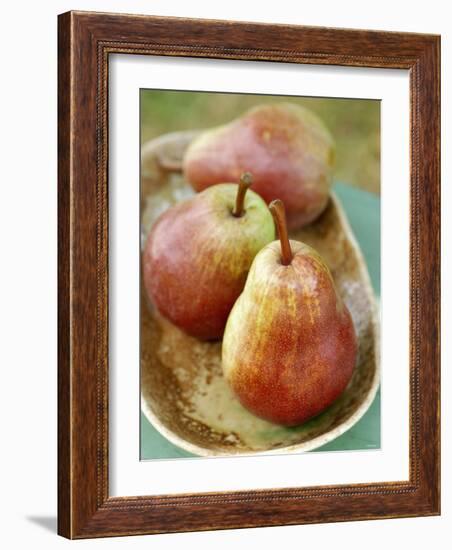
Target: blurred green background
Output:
[(354, 123)]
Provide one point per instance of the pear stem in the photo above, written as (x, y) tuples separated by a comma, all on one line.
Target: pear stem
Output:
[(246, 179), (279, 215)]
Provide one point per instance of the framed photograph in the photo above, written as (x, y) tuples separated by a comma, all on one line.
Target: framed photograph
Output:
[(248, 275)]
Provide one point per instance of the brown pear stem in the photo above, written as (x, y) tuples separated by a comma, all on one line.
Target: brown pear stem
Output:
[(279, 215), (246, 179)]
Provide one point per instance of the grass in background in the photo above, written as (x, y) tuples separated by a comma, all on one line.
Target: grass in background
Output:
[(354, 123)]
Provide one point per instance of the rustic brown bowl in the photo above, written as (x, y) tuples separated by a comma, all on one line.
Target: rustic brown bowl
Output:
[(183, 392)]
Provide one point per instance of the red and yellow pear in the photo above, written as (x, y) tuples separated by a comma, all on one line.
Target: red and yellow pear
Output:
[(198, 254), (289, 347), (287, 148)]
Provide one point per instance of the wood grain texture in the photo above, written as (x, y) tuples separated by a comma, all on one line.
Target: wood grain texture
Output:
[(64, 297), (85, 42)]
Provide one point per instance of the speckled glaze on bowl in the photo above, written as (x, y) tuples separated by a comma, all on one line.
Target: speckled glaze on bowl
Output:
[(183, 392)]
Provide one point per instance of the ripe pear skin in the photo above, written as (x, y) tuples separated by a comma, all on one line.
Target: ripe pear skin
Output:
[(198, 254), (286, 147), (289, 347)]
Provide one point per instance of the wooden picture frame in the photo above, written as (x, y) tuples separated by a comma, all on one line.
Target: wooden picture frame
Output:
[(85, 42)]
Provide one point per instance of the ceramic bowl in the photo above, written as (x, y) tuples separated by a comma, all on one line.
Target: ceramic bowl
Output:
[(183, 392)]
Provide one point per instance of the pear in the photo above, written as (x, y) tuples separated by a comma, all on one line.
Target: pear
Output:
[(289, 347), (198, 254), (286, 147)]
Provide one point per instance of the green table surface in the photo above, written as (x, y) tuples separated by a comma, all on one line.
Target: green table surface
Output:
[(363, 211)]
